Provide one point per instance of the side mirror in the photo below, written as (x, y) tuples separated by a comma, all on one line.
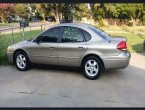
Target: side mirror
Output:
[(38, 39)]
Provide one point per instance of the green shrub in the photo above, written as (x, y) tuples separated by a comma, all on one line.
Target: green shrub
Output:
[(130, 23), (143, 23), (101, 23)]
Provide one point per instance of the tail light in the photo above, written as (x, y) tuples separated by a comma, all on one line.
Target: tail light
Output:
[(122, 45)]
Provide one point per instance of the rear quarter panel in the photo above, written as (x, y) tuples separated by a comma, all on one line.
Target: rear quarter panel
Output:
[(103, 48)]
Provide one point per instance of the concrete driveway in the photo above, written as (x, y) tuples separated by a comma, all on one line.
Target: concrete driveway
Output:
[(50, 87)]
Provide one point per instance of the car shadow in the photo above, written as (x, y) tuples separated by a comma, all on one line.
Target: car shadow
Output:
[(139, 48), (57, 68)]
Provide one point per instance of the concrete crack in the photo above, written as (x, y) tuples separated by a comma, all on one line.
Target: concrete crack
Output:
[(25, 92)]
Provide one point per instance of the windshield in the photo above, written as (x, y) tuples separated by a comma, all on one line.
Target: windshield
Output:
[(103, 34)]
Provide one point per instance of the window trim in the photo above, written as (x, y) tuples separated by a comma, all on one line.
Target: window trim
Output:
[(62, 32), (85, 35)]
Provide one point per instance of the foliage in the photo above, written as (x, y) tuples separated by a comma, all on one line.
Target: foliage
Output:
[(21, 10), (81, 10), (101, 23), (5, 11), (128, 11), (97, 11), (44, 9), (142, 15)]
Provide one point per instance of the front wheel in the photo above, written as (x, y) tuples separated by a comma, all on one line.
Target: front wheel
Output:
[(92, 67), (22, 61)]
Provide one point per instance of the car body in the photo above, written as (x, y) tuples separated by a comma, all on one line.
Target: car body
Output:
[(74, 45)]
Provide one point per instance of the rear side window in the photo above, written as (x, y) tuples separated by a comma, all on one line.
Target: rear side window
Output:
[(103, 34), (87, 35), (72, 34)]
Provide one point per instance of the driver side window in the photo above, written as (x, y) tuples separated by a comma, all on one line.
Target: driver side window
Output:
[(50, 36)]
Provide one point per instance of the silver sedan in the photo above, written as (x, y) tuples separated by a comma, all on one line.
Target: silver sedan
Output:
[(75, 45)]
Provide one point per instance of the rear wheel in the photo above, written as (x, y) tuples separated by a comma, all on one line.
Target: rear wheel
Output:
[(92, 67), (22, 61)]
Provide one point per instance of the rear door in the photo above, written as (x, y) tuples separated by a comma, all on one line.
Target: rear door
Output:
[(71, 47)]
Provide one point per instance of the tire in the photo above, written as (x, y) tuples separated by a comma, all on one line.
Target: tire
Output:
[(22, 61), (92, 67)]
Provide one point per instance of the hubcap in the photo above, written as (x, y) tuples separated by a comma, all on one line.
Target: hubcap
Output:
[(91, 67), (21, 61)]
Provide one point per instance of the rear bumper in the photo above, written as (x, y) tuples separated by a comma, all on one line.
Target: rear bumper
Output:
[(116, 62)]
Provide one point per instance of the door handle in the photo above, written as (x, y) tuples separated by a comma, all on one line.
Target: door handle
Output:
[(52, 47), (81, 47)]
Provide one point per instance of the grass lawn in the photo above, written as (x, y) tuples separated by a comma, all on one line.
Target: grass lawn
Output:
[(135, 36), (134, 40), (6, 40)]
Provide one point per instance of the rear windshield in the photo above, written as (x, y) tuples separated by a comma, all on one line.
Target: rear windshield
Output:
[(103, 34)]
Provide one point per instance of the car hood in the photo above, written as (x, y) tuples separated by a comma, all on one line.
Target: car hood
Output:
[(20, 44)]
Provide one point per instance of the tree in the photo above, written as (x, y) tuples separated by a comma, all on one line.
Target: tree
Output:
[(63, 10), (5, 11), (130, 11), (67, 11), (50, 9), (98, 11), (32, 10), (43, 9), (127, 11), (55, 9), (22, 10), (112, 10), (81, 10), (142, 14)]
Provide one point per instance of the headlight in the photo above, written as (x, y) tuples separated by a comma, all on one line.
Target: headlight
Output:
[(10, 49)]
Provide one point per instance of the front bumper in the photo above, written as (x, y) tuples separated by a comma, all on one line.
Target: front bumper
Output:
[(116, 62), (10, 57)]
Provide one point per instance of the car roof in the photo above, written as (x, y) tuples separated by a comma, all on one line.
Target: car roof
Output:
[(84, 25)]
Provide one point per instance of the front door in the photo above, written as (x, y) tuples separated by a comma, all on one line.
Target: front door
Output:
[(45, 52)]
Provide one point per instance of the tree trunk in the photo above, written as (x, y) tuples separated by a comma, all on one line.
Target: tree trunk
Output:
[(56, 12), (3, 18), (57, 15), (43, 16)]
